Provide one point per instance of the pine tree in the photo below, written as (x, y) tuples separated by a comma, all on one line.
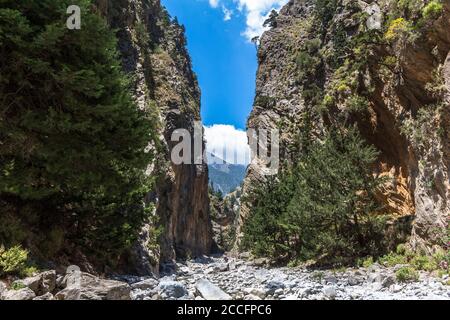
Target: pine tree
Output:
[(323, 207), (73, 142)]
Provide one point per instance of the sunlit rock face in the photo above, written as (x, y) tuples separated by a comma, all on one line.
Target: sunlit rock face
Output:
[(416, 163)]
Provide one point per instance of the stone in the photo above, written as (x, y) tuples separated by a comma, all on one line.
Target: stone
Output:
[(375, 17), (147, 284), (352, 281), (30, 282), (172, 289), (22, 294), (84, 286), (252, 297), (258, 292), (40, 284), (47, 282), (273, 285), (388, 281), (260, 262), (330, 280), (210, 291), (330, 292), (47, 296), (2, 288)]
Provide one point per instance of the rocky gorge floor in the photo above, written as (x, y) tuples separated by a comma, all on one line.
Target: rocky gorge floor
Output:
[(227, 278)]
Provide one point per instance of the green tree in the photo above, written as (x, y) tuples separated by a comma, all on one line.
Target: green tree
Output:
[(73, 142), (324, 207)]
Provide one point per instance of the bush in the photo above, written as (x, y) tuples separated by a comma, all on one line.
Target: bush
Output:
[(401, 249), (421, 262), (396, 29), (13, 260), (392, 259), (407, 274), (432, 10), (365, 262)]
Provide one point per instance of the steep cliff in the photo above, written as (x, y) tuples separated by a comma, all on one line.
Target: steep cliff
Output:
[(382, 65), (153, 49)]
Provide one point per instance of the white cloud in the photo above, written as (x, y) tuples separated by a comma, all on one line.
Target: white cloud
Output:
[(214, 3), (227, 143), (257, 12), (227, 13)]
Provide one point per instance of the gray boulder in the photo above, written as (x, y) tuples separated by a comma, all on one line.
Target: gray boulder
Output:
[(84, 286), (330, 292), (22, 294), (172, 289), (388, 281), (273, 285), (40, 284), (30, 282), (210, 291), (47, 296), (147, 284)]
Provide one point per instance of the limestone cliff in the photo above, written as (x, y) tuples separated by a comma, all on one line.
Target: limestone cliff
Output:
[(388, 58), (153, 49)]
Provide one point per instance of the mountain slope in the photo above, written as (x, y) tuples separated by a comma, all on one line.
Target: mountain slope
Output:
[(224, 177)]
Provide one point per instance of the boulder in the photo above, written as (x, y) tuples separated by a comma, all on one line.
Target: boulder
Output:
[(172, 289), (330, 292), (22, 294), (47, 296), (84, 286), (388, 281), (30, 282), (40, 284), (210, 291), (256, 292), (273, 285), (147, 284)]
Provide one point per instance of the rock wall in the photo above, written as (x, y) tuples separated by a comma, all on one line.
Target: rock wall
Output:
[(153, 50), (398, 99)]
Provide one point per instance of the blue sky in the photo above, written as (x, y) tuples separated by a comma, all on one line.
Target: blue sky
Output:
[(224, 59)]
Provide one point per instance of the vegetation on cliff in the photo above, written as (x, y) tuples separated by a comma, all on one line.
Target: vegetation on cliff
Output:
[(344, 55)]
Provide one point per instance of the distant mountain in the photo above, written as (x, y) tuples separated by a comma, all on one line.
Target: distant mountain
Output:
[(223, 176)]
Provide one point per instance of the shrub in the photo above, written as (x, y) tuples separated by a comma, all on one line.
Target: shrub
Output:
[(365, 262), (396, 29), (13, 260), (17, 286), (432, 10), (407, 274), (392, 259), (422, 262)]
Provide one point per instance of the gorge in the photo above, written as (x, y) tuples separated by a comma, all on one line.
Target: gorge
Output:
[(378, 66)]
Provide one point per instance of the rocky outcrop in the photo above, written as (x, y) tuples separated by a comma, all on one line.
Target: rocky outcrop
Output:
[(153, 51), (73, 285), (403, 76)]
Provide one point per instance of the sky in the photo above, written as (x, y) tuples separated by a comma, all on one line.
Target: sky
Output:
[(224, 59)]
